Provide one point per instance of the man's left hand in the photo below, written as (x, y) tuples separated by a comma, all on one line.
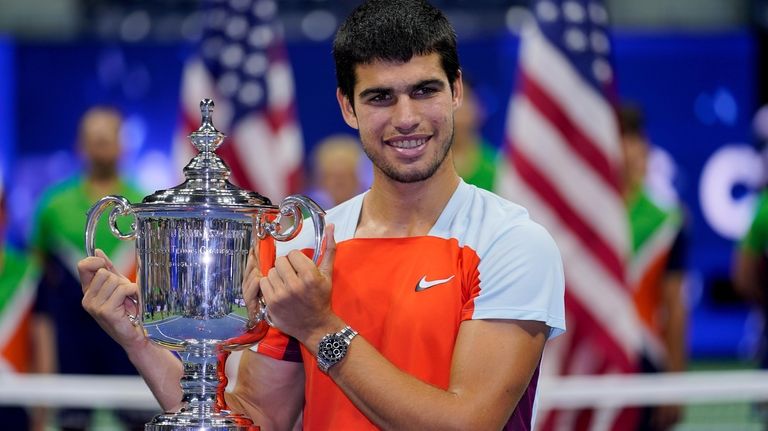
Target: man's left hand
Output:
[(298, 293)]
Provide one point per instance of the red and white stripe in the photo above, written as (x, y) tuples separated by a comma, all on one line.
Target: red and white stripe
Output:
[(562, 159), (264, 150)]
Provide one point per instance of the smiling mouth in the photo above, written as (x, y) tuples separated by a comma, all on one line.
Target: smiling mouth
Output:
[(407, 143)]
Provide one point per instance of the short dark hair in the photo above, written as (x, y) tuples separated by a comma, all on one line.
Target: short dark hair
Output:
[(631, 119), (393, 30)]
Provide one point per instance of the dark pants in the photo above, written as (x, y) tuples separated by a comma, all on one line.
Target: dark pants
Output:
[(14, 418)]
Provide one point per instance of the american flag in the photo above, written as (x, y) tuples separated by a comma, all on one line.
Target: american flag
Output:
[(242, 64), (562, 158)]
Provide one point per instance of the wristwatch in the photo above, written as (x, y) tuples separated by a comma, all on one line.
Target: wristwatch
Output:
[(333, 347)]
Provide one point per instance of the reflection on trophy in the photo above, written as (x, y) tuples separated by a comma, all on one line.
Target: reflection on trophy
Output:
[(192, 243)]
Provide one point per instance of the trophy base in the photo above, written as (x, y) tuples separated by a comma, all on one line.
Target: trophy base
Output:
[(188, 421)]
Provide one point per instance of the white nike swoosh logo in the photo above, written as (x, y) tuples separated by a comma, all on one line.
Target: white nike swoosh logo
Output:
[(424, 284)]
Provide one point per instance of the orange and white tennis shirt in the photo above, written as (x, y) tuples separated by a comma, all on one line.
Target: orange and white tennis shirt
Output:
[(483, 259)]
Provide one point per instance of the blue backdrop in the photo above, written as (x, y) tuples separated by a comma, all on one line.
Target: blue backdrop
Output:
[(7, 108), (698, 92)]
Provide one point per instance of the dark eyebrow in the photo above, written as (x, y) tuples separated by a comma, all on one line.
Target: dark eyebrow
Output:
[(375, 90), (379, 90), (436, 82)]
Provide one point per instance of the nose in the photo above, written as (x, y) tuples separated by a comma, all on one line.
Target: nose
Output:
[(405, 117)]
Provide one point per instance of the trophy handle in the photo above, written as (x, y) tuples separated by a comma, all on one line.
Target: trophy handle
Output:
[(122, 207), (292, 206)]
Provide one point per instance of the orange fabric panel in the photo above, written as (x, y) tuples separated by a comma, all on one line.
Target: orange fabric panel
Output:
[(18, 349), (406, 325), (648, 295), (267, 250), (275, 344), (132, 271)]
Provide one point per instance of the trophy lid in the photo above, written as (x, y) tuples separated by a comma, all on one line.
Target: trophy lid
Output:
[(207, 182)]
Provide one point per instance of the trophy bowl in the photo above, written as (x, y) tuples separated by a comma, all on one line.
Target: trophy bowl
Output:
[(192, 246)]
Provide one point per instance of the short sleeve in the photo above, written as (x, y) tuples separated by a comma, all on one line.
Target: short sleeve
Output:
[(756, 238), (39, 228), (521, 278)]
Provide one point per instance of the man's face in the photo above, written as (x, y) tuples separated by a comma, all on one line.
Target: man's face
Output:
[(100, 142), (404, 113), (635, 152), (339, 180)]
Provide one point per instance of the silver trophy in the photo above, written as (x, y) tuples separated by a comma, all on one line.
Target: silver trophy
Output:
[(192, 244)]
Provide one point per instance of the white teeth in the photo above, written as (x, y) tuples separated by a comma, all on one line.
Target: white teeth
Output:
[(411, 143)]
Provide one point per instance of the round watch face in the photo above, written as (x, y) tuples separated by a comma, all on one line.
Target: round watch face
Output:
[(332, 348)]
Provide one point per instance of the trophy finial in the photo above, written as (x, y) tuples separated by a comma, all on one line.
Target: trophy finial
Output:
[(207, 175), (206, 108), (206, 137)]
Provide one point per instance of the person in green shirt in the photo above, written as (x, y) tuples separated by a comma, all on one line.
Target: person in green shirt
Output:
[(657, 268), (58, 241), (18, 281), (750, 275), (473, 156)]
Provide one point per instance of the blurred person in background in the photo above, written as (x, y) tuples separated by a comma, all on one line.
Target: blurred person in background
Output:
[(657, 267), (750, 275), (750, 265), (338, 170), (18, 281), (74, 343), (473, 156)]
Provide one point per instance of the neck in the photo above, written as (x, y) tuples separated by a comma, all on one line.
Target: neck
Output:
[(392, 209), (101, 185), (464, 140), (630, 189)]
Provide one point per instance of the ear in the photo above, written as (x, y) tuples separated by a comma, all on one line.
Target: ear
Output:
[(458, 92), (347, 110)]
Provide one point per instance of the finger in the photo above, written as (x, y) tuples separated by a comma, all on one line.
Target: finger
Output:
[(304, 265), (267, 289), (109, 265), (119, 297), (253, 263), (252, 266), (328, 254), (275, 279), (87, 268), (287, 269), (93, 296), (251, 285), (91, 289), (131, 307), (130, 291), (251, 290), (101, 277), (106, 287)]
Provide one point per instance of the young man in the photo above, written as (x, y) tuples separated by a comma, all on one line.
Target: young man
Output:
[(440, 295), (18, 344), (657, 270), (65, 332)]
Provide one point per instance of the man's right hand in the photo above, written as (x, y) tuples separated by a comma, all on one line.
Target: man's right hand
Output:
[(108, 297)]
